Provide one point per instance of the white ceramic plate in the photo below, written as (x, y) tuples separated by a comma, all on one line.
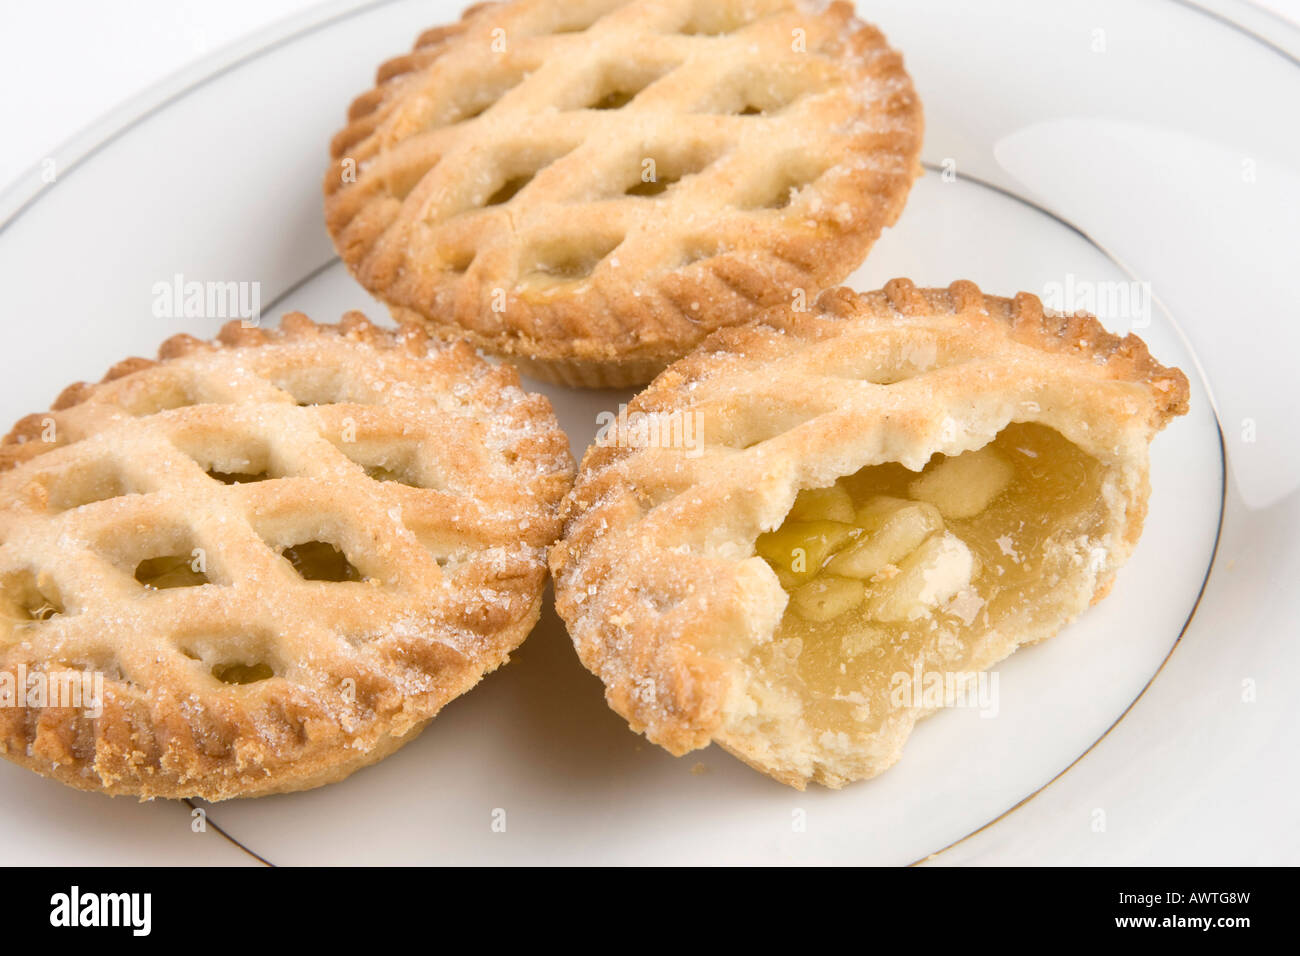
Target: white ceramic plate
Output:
[(1074, 148)]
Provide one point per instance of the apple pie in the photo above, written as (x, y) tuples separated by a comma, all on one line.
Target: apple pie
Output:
[(279, 554), (903, 483), (589, 187)]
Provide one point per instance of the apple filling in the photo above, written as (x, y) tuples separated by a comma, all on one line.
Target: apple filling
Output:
[(170, 571), (243, 673), (888, 569), (26, 599), (321, 561)]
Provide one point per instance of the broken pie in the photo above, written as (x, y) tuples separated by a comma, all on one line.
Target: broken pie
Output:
[(589, 187), (907, 481), (280, 554)]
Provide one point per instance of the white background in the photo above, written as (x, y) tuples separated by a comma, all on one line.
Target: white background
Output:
[(64, 63)]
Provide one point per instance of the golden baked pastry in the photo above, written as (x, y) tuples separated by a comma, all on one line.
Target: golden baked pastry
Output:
[(589, 187), (898, 484), (283, 551)]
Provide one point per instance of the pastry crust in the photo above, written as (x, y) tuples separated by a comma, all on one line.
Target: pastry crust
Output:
[(493, 187), (434, 474), (656, 575)]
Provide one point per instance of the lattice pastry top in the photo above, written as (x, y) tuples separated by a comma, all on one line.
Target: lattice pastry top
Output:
[(283, 551), (591, 186), (765, 583)]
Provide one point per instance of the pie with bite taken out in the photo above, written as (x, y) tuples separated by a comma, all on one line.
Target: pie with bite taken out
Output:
[(590, 187), (279, 554), (907, 481)]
